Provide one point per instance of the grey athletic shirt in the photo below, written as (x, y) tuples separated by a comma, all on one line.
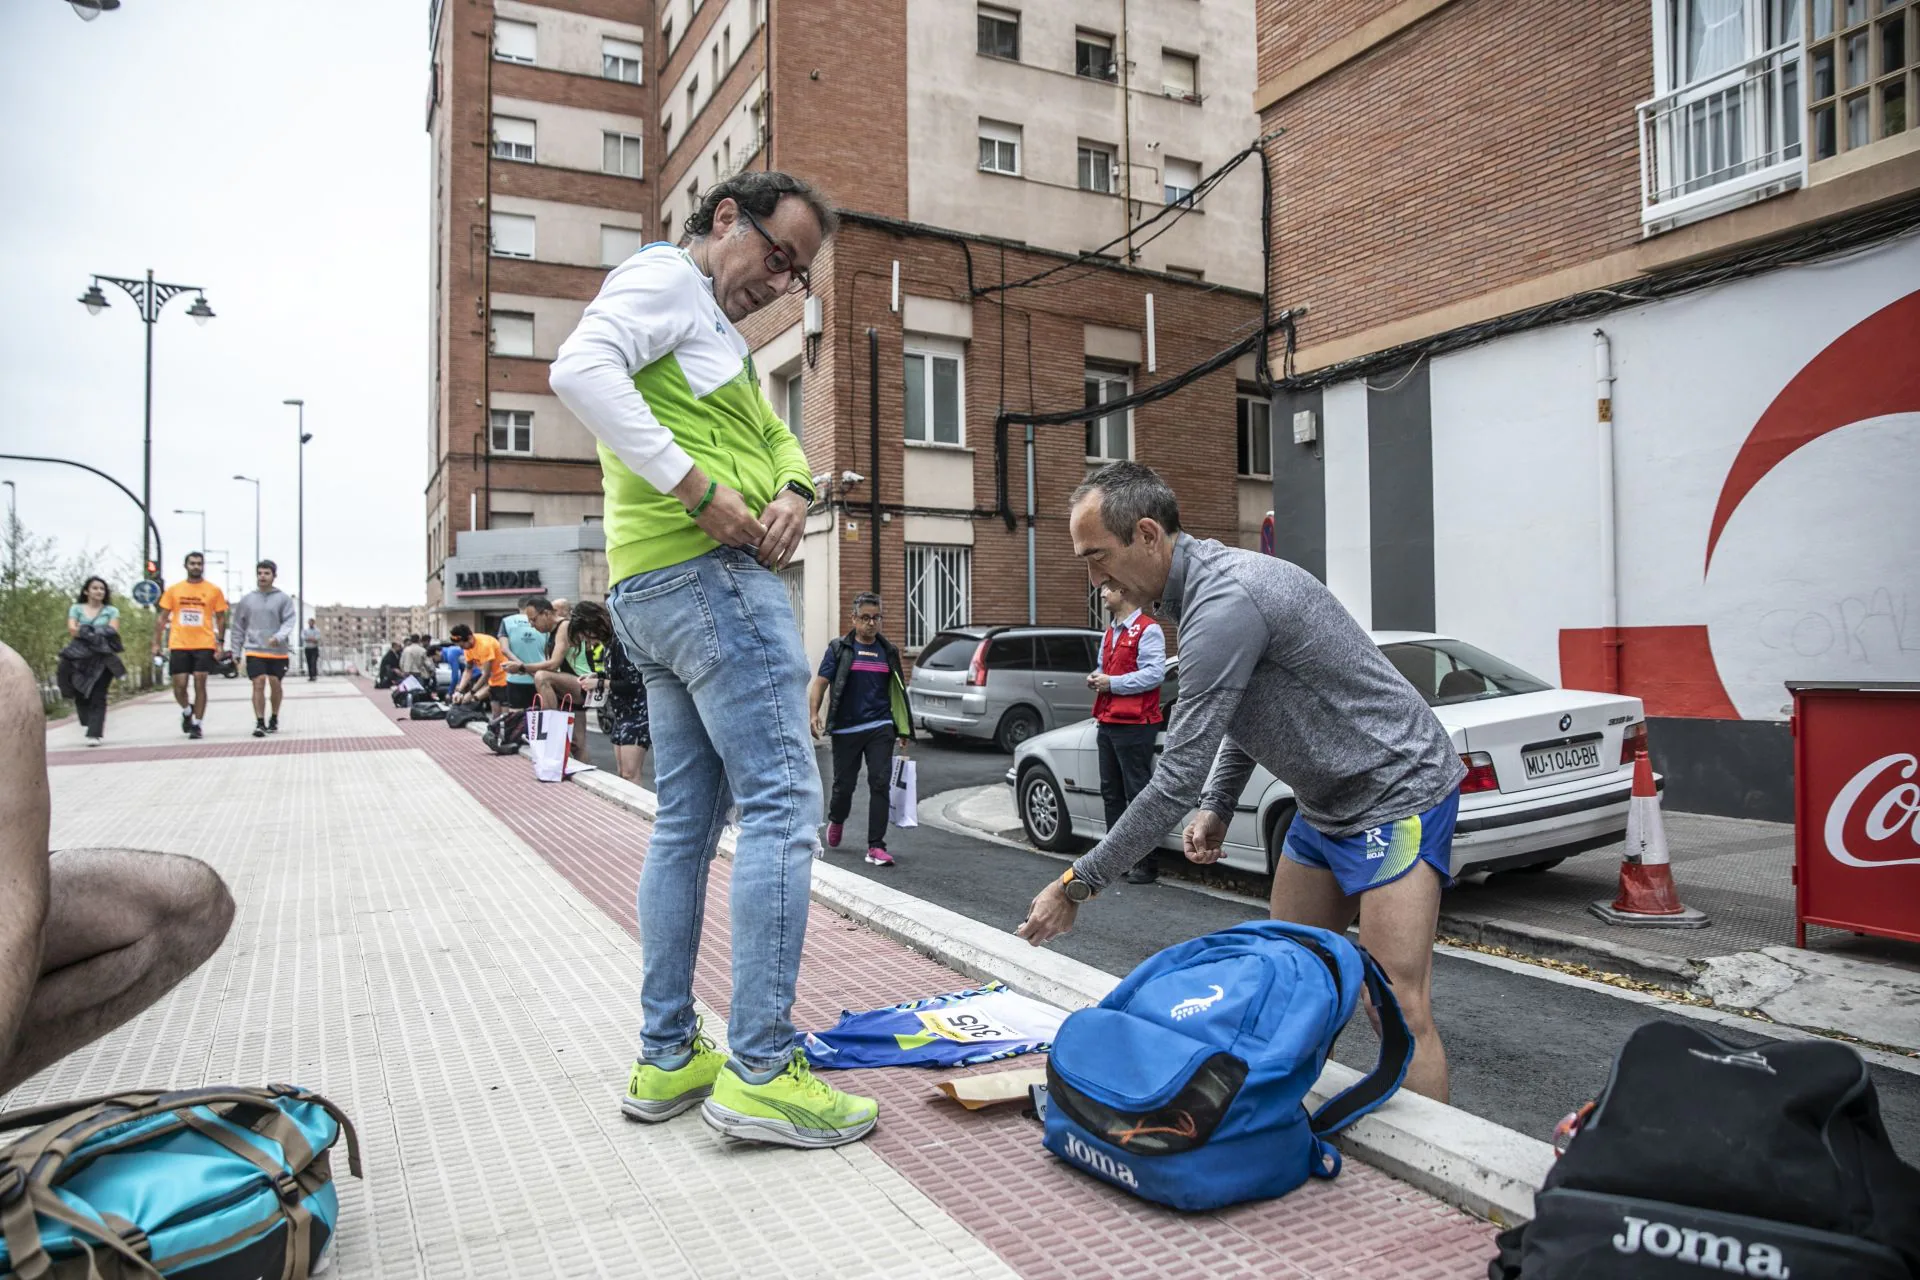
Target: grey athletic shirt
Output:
[(262, 622), (1275, 671)]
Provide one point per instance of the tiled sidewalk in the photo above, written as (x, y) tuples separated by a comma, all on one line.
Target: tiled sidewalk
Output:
[(445, 947)]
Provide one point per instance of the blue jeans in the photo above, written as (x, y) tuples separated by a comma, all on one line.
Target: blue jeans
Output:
[(718, 647)]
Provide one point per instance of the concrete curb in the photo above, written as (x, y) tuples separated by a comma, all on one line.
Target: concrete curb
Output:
[(1481, 1167), (1597, 953)]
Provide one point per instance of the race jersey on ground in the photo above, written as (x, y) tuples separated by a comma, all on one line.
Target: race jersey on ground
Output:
[(191, 608), (982, 1024)]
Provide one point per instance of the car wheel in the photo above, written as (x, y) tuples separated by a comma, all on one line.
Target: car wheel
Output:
[(1535, 868), (1277, 824), (1043, 811), (1016, 727)]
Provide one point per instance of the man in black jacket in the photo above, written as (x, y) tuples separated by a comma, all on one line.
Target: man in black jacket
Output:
[(867, 719)]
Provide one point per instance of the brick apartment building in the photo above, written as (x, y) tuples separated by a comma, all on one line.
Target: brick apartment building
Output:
[(541, 124), (1608, 356), (968, 145), (358, 633)]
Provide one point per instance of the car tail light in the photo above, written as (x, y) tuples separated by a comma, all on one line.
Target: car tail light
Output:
[(1632, 741), (1480, 775), (977, 669)]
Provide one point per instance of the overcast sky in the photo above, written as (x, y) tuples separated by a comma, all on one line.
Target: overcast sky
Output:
[(276, 156)]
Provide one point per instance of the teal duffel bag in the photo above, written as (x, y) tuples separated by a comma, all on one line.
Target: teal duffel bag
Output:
[(214, 1183)]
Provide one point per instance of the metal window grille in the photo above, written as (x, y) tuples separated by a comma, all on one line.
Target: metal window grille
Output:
[(939, 590)]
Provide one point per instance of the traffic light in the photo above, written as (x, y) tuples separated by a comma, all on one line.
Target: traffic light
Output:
[(153, 569)]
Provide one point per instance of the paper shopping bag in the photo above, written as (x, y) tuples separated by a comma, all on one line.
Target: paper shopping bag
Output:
[(903, 801), (549, 735)]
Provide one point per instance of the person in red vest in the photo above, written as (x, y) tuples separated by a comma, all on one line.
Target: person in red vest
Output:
[(1133, 663)]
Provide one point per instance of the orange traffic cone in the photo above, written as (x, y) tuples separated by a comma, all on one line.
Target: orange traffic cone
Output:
[(1647, 898)]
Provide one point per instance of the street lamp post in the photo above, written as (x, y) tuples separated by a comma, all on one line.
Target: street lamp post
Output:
[(151, 296), (189, 511), (300, 555), (256, 515)]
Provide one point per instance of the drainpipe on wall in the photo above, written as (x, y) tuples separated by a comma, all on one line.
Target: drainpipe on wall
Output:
[(1609, 563), (873, 449), (1033, 599)]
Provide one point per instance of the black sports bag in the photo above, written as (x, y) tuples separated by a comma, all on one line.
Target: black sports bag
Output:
[(1700, 1157), (461, 716), (428, 710), (506, 733)]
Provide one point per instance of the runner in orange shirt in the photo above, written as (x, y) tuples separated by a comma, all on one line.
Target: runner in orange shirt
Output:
[(193, 614), (486, 666)]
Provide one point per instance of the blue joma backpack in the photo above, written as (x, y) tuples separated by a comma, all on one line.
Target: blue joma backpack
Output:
[(1187, 1084), (218, 1183)]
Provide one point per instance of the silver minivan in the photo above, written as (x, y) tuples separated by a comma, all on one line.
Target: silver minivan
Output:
[(1004, 683)]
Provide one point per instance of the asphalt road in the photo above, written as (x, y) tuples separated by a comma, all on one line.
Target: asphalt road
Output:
[(1523, 1051), (942, 766)]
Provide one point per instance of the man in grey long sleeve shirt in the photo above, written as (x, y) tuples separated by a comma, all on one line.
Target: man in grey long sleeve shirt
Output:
[(1274, 671), (262, 629)]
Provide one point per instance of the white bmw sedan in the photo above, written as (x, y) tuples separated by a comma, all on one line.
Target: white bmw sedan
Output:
[(1549, 771)]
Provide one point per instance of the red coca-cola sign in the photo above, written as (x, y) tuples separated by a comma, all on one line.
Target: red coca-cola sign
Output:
[(1857, 808)]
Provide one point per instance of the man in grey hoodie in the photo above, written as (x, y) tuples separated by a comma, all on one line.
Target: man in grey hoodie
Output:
[(262, 627)]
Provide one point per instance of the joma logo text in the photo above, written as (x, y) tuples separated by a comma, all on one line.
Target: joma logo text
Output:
[(1701, 1249)]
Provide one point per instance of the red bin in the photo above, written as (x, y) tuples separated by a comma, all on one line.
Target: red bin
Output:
[(1856, 808)]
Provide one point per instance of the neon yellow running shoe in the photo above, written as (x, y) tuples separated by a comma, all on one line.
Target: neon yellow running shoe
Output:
[(794, 1109), (654, 1095)]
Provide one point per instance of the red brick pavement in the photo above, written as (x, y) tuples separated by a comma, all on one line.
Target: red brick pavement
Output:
[(986, 1169)]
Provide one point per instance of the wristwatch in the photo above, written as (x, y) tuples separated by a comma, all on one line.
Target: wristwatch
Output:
[(800, 489), (1077, 890)]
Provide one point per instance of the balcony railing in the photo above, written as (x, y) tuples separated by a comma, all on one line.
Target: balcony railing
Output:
[(1731, 138)]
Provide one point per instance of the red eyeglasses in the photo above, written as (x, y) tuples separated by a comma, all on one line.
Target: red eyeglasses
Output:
[(778, 260)]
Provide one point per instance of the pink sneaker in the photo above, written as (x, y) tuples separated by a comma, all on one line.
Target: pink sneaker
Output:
[(879, 857), (833, 835)]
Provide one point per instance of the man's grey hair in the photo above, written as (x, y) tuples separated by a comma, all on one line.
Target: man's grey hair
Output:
[(759, 191), (866, 598), (1130, 493)]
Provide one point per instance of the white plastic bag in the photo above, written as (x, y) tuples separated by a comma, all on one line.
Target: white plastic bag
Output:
[(903, 798), (549, 737)]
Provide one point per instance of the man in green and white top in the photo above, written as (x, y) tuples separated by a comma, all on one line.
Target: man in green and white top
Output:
[(706, 496)]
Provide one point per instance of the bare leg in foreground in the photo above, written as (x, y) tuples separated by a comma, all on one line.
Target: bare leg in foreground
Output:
[(88, 937)]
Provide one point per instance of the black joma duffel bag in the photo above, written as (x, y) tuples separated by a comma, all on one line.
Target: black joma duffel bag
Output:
[(1703, 1157)]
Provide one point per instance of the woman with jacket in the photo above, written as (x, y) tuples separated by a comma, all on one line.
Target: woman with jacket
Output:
[(90, 661)]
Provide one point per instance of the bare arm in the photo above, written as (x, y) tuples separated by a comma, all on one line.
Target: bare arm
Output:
[(161, 621), (24, 872), (562, 640), (816, 694), (73, 626)]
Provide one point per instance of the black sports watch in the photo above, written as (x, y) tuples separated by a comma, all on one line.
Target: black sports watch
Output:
[(796, 487), (1076, 889)]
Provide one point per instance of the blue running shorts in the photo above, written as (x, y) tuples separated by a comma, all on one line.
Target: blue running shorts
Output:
[(1368, 859)]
